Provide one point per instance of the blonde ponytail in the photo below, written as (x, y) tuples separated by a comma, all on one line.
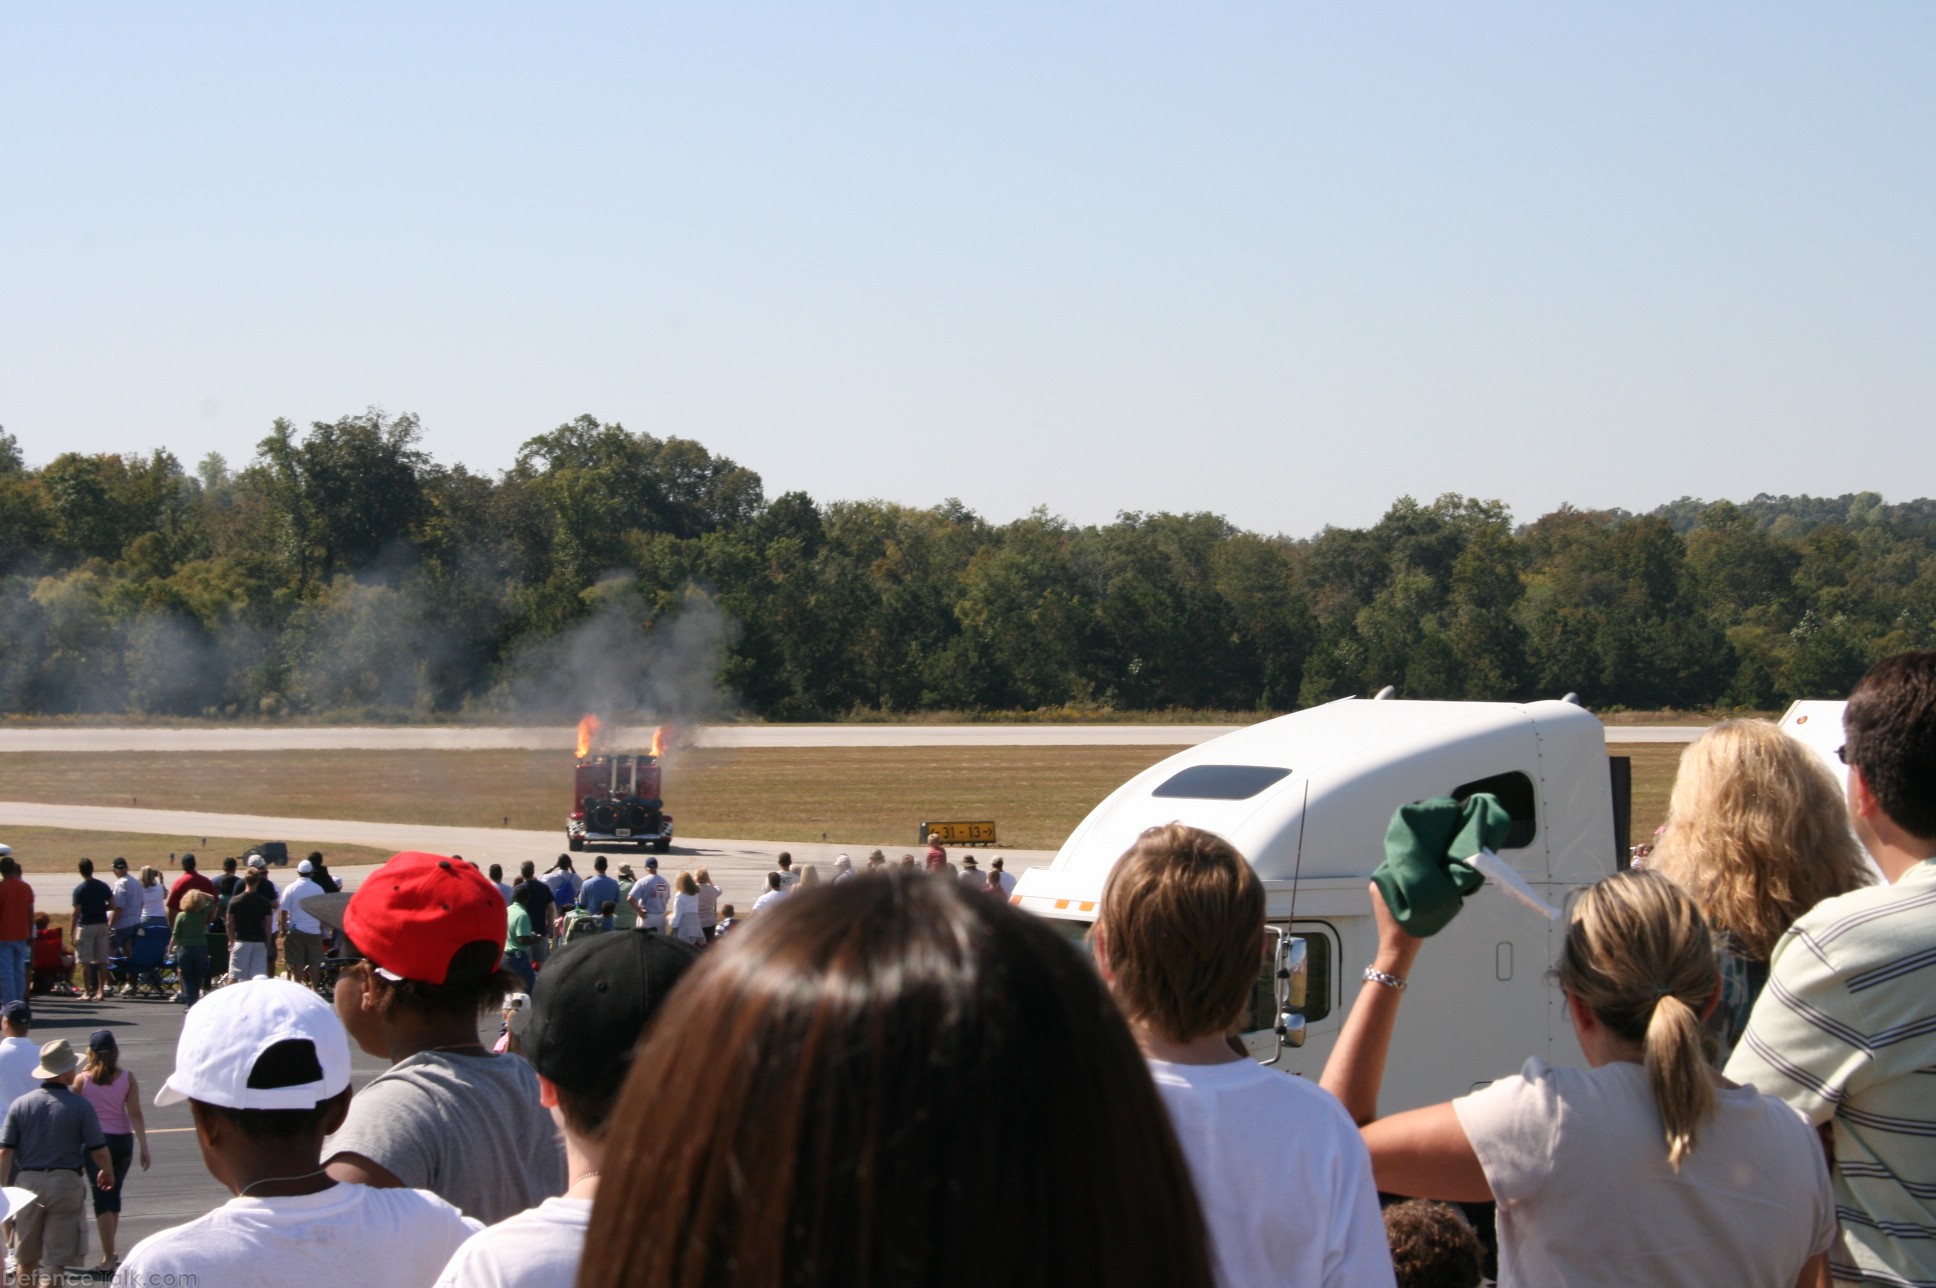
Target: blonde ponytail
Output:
[(1639, 956), (1677, 1071)]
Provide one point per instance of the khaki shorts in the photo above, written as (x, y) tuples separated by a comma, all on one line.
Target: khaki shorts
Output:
[(50, 1231), (300, 948), (91, 948)]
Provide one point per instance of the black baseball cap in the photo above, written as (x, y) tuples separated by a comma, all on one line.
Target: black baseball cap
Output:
[(592, 1001)]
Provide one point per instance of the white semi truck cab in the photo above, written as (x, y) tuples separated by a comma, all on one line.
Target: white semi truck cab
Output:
[(1307, 798)]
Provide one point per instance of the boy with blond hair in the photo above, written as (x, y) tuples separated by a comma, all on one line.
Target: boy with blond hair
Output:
[(1280, 1169)]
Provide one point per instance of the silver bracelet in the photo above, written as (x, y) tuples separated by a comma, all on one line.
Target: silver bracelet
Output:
[(1375, 976)]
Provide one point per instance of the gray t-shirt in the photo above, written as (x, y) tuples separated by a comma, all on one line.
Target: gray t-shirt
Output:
[(468, 1128), (51, 1129)]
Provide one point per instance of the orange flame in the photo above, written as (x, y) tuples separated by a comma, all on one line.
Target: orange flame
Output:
[(588, 726), (661, 739)]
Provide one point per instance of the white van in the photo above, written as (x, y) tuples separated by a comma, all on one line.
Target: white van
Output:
[(1307, 798)]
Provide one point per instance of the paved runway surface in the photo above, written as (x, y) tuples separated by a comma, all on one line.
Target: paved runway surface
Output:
[(498, 738), (738, 868), (177, 1187)]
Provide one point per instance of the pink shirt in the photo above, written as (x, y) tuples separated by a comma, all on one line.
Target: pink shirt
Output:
[(110, 1103)]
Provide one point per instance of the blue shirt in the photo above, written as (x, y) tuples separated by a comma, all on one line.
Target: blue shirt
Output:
[(596, 893), (51, 1129)]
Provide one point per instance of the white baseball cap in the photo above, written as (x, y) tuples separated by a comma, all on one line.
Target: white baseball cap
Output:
[(227, 1031), (257, 861), (305, 867)]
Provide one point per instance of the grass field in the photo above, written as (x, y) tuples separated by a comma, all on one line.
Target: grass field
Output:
[(846, 795)]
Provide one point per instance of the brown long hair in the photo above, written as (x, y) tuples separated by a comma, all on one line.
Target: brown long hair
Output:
[(812, 1110)]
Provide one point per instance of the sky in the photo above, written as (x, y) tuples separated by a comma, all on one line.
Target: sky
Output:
[(1280, 261)]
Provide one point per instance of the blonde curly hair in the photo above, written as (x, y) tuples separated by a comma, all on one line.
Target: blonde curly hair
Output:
[(1758, 832)]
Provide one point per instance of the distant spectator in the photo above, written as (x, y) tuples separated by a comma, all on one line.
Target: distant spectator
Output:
[(188, 943), (994, 885), (685, 911), (598, 889), (250, 916), (415, 999), (264, 882), (936, 860), (16, 932), (1432, 1245), (565, 883), (774, 894), (708, 903), (520, 940), (302, 934), (124, 910), (788, 877), (971, 875), (580, 1032), (49, 1134), (535, 897), (809, 878), (1283, 1175), (624, 915), (190, 879), (849, 1159), (1758, 832), (265, 1069), (92, 900), (53, 965), (508, 1041), (843, 869), (651, 897), (154, 896), (907, 862), (18, 1055), (320, 873), (876, 863), (496, 873), (116, 1097), (727, 920), (1008, 881), (1716, 1183)]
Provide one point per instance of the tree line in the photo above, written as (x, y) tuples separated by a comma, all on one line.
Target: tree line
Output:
[(344, 571)]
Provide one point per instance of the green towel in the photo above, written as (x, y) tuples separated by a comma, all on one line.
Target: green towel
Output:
[(1423, 884)]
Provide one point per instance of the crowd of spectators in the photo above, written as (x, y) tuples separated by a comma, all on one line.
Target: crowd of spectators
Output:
[(825, 1092)]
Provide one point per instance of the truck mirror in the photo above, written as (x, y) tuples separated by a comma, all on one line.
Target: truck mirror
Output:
[(1291, 958)]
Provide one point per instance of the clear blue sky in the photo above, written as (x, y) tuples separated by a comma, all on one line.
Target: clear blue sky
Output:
[(1283, 261)]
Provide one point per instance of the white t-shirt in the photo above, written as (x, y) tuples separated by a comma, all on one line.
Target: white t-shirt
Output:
[(346, 1234), (768, 899), (300, 921), (1282, 1174), (538, 1248), (1577, 1159), (19, 1057)]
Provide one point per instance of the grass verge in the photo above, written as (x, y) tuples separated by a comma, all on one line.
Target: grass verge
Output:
[(58, 849)]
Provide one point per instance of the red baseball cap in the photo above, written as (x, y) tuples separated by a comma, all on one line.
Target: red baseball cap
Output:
[(413, 914)]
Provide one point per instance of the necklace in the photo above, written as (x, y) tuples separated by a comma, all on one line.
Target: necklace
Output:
[(269, 1180), (583, 1176)]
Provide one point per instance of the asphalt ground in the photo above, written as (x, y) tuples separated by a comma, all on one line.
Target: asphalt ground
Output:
[(549, 738), (176, 1188)]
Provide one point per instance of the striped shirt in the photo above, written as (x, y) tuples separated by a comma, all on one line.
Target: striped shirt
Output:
[(1846, 1033)]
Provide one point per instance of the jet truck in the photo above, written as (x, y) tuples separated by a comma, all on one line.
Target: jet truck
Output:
[(1307, 798)]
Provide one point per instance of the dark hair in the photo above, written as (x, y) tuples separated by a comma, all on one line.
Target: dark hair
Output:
[(1890, 724), (315, 856), (475, 984), (810, 1110), (8, 868), (1432, 1245), (228, 864), (288, 1063), (785, 859), (87, 867), (188, 862), (497, 872), (773, 881), (598, 864), (527, 869)]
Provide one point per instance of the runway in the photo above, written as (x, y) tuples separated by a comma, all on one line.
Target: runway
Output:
[(738, 868), (558, 738)]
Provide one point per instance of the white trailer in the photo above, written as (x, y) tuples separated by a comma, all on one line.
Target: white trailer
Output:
[(1307, 798)]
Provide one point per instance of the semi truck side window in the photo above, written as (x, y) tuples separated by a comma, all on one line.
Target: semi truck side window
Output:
[(1317, 997), (1515, 792)]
